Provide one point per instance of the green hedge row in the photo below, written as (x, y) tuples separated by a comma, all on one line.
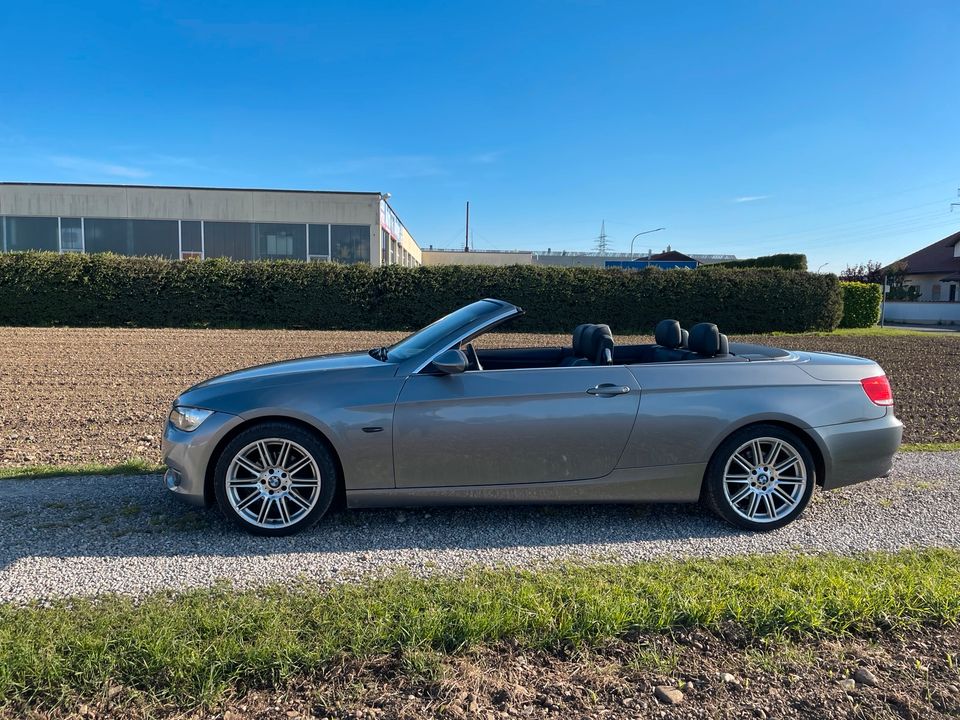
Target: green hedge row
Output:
[(786, 261), (110, 290), (861, 304)]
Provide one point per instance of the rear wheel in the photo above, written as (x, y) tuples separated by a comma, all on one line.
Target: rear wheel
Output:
[(760, 478), (275, 479)]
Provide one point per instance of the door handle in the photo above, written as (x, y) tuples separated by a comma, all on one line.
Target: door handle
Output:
[(608, 390)]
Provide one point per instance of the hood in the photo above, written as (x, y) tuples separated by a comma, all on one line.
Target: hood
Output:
[(341, 361)]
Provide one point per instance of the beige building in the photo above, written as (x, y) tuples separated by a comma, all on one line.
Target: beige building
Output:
[(188, 222), (476, 257)]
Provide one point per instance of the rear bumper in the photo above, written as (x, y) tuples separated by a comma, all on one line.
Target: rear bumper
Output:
[(187, 455), (858, 451)]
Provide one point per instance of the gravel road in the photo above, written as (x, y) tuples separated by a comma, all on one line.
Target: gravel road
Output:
[(93, 535)]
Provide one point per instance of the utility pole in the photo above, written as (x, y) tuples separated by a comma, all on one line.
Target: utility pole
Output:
[(466, 235), (956, 204), (601, 244)]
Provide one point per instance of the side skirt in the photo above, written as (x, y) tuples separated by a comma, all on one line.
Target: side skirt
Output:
[(663, 484)]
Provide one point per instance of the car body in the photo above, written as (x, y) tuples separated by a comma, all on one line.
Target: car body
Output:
[(432, 421)]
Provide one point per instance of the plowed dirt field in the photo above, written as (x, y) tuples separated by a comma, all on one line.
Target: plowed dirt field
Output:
[(70, 395)]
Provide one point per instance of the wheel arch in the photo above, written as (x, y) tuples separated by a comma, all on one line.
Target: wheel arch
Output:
[(208, 488), (808, 439)]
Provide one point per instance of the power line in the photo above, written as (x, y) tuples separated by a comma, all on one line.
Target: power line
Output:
[(857, 221)]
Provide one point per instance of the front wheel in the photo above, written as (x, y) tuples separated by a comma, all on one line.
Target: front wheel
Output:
[(275, 479), (760, 478)]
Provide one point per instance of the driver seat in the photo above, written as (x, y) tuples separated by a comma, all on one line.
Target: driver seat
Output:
[(592, 345)]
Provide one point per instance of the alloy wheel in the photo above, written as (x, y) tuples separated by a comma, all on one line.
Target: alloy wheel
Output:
[(273, 483), (765, 479)]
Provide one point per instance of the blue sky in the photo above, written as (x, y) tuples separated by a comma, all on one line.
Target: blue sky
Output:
[(830, 128)]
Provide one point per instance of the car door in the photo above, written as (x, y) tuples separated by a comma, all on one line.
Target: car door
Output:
[(493, 427)]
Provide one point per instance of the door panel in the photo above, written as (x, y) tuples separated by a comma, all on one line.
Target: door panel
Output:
[(512, 426)]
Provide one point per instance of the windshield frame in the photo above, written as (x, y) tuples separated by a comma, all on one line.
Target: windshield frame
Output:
[(428, 342)]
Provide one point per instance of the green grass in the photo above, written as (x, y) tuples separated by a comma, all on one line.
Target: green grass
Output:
[(875, 331), (133, 466), (191, 649), (930, 447)]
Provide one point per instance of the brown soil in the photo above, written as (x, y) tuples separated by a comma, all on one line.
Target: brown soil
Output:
[(101, 395), (917, 676)]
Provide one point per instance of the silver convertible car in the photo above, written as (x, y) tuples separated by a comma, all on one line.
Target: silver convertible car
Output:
[(747, 430)]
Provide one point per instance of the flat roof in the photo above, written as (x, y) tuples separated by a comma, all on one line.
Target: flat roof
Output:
[(190, 187)]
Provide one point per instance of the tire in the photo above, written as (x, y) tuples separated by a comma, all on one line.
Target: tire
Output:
[(285, 492), (765, 494)]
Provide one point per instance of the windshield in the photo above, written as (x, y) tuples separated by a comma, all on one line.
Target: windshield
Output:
[(435, 331)]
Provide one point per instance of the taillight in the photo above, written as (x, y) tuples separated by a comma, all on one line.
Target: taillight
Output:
[(878, 390)]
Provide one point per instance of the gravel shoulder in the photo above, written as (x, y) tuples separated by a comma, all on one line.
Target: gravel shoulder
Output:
[(124, 534)]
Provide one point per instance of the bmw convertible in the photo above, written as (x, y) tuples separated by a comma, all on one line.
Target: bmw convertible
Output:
[(746, 430)]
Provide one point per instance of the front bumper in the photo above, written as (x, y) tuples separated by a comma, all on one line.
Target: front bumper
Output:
[(858, 451), (187, 455)]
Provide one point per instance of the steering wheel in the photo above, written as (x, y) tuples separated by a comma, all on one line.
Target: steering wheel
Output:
[(472, 359)]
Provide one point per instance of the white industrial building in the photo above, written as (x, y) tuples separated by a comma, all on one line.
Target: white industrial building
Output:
[(189, 222)]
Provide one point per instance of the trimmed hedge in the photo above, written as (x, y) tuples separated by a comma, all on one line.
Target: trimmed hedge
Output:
[(861, 304), (111, 290), (786, 261)]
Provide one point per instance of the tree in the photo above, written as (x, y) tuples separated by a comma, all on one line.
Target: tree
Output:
[(870, 272)]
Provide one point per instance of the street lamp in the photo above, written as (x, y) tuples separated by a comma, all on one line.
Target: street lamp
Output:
[(645, 232), (822, 266)]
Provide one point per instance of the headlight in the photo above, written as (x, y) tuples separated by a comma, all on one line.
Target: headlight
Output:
[(188, 419)]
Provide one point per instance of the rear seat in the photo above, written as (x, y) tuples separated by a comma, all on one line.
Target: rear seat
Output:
[(706, 341), (669, 337)]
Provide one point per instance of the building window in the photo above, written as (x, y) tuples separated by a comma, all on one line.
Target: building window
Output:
[(155, 238), (71, 235), (276, 241), (108, 235), (229, 240), (191, 239), (319, 243), (935, 292), (31, 233), (132, 237), (350, 244)]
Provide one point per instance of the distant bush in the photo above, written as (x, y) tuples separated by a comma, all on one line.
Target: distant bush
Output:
[(111, 290), (784, 261), (861, 304)]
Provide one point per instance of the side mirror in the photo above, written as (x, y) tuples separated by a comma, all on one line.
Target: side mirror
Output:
[(450, 362)]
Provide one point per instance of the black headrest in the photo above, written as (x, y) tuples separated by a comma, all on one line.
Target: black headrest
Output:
[(599, 344), (578, 344), (668, 334), (685, 337), (724, 345), (705, 339)]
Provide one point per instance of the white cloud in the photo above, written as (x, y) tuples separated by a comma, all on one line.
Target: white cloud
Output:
[(750, 198), (97, 167)]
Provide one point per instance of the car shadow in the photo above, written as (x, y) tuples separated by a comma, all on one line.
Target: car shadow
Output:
[(134, 516)]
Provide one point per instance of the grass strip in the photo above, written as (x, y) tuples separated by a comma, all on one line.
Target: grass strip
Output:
[(875, 331), (193, 647), (930, 447), (133, 466)]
